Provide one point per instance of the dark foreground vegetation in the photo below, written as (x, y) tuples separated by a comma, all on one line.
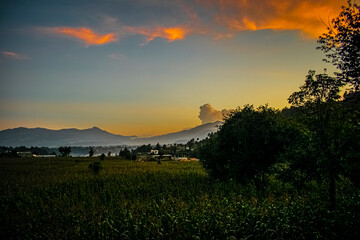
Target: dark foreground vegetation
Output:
[(61, 198)]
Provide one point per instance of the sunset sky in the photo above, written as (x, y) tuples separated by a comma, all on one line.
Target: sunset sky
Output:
[(145, 67)]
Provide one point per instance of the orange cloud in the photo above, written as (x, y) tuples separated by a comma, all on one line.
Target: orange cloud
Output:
[(87, 35), (171, 34), (308, 16)]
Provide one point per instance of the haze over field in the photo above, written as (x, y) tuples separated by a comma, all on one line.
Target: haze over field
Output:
[(145, 67)]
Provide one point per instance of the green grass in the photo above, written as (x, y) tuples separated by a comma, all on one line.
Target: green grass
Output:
[(60, 198)]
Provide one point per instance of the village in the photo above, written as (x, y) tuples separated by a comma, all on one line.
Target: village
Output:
[(166, 152)]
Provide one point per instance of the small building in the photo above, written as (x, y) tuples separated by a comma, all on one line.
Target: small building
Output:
[(25, 154), (154, 152)]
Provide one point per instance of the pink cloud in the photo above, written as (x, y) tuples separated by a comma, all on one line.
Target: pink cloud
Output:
[(13, 55)]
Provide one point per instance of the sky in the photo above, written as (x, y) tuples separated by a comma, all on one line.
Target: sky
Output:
[(150, 67)]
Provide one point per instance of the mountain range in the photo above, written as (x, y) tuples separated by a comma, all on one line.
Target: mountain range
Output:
[(95, 137)]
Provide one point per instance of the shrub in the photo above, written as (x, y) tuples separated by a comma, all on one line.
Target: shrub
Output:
[(96, 167)]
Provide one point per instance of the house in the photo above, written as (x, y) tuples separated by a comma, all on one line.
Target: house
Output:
[(154, 152)]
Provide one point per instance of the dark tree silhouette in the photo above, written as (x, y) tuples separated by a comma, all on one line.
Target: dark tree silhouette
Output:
[(65, 151), (127, 154), (326, 122), (91, 152), (341, 44), (246, 145)]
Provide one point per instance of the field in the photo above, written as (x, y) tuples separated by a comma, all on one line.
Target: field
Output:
[(60, 198)]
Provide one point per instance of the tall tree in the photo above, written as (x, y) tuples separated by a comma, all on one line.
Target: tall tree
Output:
[(325, 120), (341, 44)]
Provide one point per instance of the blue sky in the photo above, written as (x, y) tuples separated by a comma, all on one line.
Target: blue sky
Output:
[(145, 67)]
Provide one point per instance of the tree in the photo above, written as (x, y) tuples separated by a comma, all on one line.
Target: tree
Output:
[(320, 89), (144, 148), (341, 44), (174, 149), (65, 151), (127, 154), (210, 156), (326, 121), (91, 152), (246, 145), (190, 144)]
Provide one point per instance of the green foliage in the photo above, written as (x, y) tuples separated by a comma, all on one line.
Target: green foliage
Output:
[(328, 126), (323, 119), (65, 151), (247, 144), (210, 156), (127, 154), (322, 88), (174, 200), (350, 157), (341, 44), (96, 167), (102, 157), (144, 148)]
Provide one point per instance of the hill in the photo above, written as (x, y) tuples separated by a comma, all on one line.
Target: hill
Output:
[(94, 137)]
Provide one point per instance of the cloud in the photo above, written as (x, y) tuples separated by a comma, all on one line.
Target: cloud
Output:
[(88, 36), (233, 16), (15, 56), (118, 57), (216, 18), (169, 33), (208, 114), (308, 16)]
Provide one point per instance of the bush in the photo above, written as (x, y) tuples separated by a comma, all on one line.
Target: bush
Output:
[(96, 167)]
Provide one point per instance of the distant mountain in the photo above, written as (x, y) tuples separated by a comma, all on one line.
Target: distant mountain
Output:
[(64, 137), (199, 132), (94, 137)]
